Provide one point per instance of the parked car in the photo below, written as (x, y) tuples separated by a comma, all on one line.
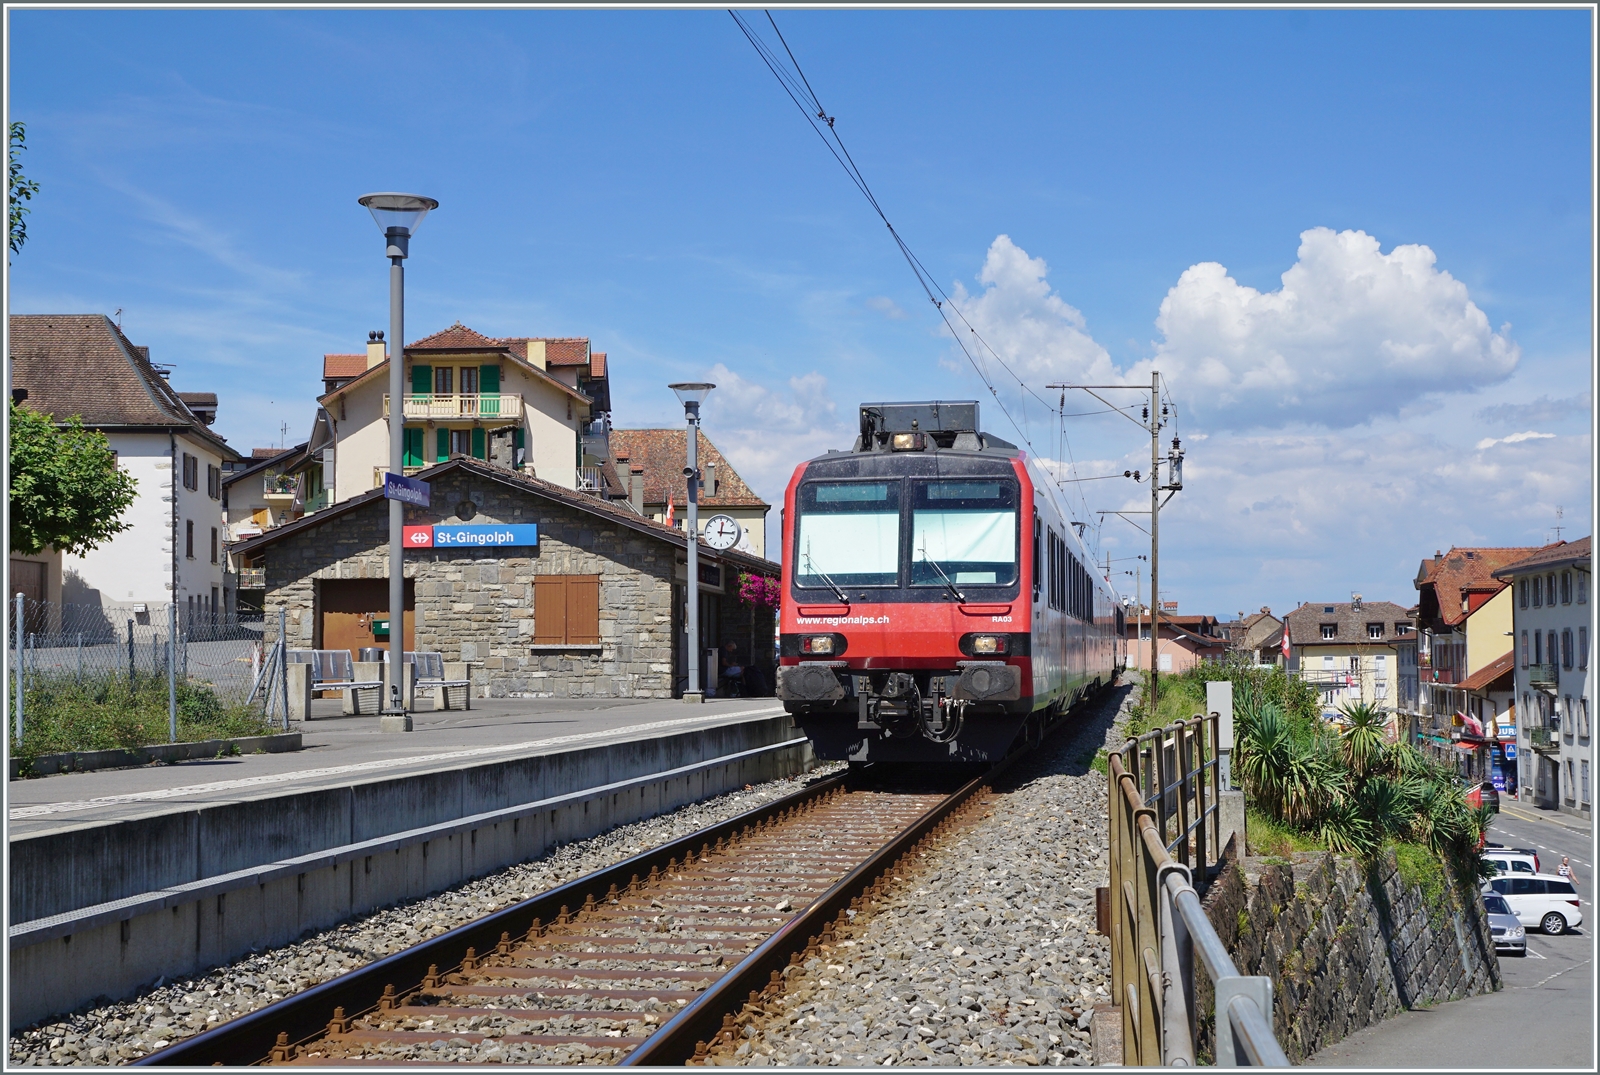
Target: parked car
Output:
[(1507, 930), (1508, 861), (1491, 848), (1542, 900)]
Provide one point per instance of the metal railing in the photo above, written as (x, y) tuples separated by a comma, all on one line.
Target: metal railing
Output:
[(463, 406), (1543, 677), (1165, 789)]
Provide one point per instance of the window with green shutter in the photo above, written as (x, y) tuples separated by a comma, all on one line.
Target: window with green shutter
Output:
[(413, 447), (422, 380), (443, 444), (477, 444)]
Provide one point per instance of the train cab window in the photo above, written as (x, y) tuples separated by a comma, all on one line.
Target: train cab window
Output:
[(848, 534), (964, 529)]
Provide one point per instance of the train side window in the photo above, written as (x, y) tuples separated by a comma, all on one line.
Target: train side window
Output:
[(1038, 540)]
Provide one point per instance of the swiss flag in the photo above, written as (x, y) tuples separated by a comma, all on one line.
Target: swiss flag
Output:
[(1286, 643), (669, 511), (417, 537)]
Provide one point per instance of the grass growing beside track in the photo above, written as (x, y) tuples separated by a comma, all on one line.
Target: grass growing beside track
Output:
[(107, 713)]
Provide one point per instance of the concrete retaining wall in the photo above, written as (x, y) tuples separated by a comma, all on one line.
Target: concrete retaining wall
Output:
[(1345, 945), (100, 911), (83, 761)]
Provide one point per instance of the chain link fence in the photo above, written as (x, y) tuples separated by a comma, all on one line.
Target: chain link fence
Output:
[(87, 677)]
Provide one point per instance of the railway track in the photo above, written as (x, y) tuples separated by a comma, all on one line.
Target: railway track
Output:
[(643, 963)]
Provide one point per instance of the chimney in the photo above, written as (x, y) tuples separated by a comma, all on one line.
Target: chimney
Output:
[(636, 487), (536, 354), (708, 485), (375, 349)]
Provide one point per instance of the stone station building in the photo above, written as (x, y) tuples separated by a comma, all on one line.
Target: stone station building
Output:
[(594, 609)]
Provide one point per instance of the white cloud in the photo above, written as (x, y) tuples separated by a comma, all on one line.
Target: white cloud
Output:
[(1543, 409), (1033, 329), (1352, 334), (766, 432), (1515, 438), (887, 307)]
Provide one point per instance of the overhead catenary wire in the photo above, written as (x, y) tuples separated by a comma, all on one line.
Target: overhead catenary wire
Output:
[(798, 87)]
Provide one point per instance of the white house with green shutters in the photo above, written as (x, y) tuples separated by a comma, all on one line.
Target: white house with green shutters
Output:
[(536, 405)]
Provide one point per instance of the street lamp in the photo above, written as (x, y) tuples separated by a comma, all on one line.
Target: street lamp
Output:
[(398, 215), (690, 394)]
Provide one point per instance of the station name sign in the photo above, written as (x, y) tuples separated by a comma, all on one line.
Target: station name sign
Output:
[(406, 490), (499, 535)]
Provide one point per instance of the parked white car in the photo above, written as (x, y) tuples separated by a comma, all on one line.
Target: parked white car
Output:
[(1542, 899), (1513, 862)]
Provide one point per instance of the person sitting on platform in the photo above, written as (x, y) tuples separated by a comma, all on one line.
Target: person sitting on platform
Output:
[(731, 675)]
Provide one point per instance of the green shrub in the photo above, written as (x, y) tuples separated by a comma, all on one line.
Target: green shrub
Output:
[(109, 712)]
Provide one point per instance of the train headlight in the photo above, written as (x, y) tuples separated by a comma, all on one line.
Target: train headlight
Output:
[(906, 442), (816, 644), (989, 644)]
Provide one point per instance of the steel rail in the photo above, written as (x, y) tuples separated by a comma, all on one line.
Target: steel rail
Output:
[(703, 1020), (250, 1038)]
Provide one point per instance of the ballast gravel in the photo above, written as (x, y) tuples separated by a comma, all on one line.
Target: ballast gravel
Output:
[(982, 952), (166, 1012)]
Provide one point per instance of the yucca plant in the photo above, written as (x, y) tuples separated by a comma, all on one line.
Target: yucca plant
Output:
[(1362, 742), (1344, 829)]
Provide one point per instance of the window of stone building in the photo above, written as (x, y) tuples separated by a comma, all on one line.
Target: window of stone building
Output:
[(1583, 587), (1522, 592), (188, 539), (1538, 591), (566, 610), (1524, 649)]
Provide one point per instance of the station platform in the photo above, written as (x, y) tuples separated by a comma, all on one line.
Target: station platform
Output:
[(337, 749), (119, 877)]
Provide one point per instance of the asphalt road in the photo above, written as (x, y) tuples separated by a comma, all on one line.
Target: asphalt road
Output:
[(1543, 1018)]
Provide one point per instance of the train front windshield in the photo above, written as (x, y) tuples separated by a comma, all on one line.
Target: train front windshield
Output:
[(852, 533), (849, 534), (963, 531)]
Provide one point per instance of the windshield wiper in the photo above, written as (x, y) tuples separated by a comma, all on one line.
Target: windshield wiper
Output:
[(811, 565), (952, 586)]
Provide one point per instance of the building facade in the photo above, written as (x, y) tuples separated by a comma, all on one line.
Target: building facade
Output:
[(1185, 642), (174, 546), (652, 462), (536, 405), (1348, 650), (595, 606), (1551, 624)]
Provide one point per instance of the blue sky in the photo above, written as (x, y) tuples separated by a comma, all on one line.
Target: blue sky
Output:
[(1102, 190)]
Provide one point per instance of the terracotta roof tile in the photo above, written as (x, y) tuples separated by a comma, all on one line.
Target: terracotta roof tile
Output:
[(1560, 552), (565, 350), (1502, 666), (457, 335), (335, 366), (1464, 570), (664, 453), (597, 364), (111, 381)]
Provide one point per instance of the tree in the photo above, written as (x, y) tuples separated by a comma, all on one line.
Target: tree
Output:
[(21, 188), (66, 488)]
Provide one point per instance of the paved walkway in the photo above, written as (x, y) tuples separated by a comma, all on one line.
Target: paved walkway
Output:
[(338, 748)]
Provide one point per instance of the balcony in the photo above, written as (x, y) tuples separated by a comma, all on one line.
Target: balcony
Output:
[(280, 488), (1543, 677), (460, 408), (1545, 738), (253, 578), (591, 480)]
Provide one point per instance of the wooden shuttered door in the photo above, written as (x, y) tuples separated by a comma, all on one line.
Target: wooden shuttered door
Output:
[(566, 610), (422, 380)]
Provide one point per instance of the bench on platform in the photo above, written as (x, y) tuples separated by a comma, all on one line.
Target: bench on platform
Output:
[(333, 670), (441, 679)]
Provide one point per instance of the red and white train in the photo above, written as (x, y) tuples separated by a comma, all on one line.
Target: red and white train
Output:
[(938, 604)]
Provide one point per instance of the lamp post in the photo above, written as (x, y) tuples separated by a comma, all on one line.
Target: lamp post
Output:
[(690, 394), (398, 215)]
